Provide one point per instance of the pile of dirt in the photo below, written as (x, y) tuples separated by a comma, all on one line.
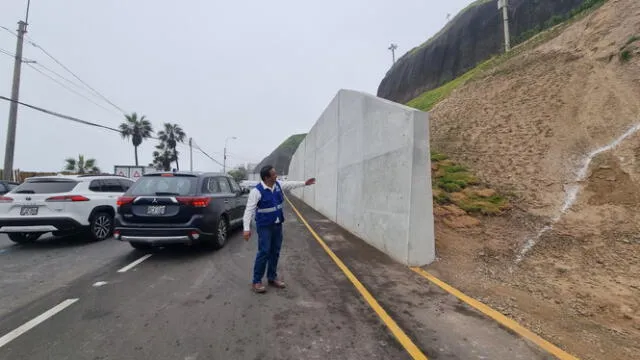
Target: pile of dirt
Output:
[(528, 128)]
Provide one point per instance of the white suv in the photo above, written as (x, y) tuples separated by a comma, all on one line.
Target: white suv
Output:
[(62, 205)]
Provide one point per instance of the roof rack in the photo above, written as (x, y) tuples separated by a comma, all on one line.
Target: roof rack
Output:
[(89, 175)]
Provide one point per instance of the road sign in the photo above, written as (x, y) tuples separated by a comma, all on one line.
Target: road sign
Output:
[(122, 171), (136, 173)]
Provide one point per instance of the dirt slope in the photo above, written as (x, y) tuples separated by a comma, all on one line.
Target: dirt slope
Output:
[(528, 128)]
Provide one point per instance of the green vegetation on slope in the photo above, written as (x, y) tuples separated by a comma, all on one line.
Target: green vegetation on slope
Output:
[(292, 142), (454, 184), (280, 158), (427, 100), (628, 49)]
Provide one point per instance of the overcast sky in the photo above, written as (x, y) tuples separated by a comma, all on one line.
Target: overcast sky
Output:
[(257, 70)]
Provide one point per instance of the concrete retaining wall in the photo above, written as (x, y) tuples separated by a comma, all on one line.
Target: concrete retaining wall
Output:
[(371, 160)]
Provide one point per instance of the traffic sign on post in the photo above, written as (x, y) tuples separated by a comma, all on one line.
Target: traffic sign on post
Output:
[(121, 171)]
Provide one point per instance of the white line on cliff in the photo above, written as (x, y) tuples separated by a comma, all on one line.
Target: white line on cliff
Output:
[(571, 195)]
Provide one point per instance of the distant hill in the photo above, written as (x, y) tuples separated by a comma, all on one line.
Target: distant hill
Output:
[(281, 156)]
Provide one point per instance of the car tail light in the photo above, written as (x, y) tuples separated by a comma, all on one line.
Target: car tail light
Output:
[(165, 175), (199, 202), (124, 200), (5, 199), (68, 198)]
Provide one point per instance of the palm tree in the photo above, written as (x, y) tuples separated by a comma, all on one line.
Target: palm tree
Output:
[(171, 136), (163, 157), (136, 129), (81, 165)]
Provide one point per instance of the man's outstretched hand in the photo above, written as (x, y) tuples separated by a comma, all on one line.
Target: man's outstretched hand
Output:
[(246, 235), (310, 181)]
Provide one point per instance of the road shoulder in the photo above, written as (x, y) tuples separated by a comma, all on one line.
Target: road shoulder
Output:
[(441, 325)]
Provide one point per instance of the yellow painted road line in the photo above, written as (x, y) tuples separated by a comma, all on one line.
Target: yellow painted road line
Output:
[(402, 337), (519, 329)]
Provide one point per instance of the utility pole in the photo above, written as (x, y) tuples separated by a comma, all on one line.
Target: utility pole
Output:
[(13, 107), (191, 154), (393, 48), (224, 161), (504, 6)]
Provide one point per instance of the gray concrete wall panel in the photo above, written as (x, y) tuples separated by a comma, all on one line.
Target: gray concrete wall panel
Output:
[(370, 157)]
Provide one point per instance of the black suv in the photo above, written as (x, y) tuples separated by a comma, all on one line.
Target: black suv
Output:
[(180, 208)]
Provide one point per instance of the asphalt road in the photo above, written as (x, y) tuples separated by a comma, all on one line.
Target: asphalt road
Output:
[(182, 303)]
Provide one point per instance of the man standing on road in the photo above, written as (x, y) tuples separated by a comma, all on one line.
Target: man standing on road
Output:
[(266, 202)]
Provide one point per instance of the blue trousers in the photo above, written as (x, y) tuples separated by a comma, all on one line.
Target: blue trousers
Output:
[(269, 244)]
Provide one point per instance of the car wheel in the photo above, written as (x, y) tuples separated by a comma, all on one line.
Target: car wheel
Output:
[(101, 226), (219, 238), (24, 238)]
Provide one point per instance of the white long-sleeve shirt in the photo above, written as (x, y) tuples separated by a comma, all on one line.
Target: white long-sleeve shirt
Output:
[(255, 196)]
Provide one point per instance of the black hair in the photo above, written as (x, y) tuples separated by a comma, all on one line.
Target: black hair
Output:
[(265, 172)]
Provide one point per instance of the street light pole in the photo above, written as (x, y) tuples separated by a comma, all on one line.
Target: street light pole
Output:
[(191, 154), (393, 48), (224, 161), (504, 6)]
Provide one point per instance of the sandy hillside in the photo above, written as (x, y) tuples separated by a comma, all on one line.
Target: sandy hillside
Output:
[(528, 128)]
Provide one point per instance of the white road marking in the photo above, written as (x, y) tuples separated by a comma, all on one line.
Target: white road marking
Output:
[(34, 322), (130, 266), (100, 283)]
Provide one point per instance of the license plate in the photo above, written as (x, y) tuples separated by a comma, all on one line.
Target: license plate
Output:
[(29, 210), (156, 210)]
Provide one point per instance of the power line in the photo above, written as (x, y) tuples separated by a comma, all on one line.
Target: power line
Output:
[(197, 147), (8, 30), (10, 54), (5, 52), (66, 87), (67, 117), (76, 76), (32, 42), (60, 76), (85, 122)]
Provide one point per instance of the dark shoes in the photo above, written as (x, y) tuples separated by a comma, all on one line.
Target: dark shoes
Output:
[(277, 283), (259, 288)]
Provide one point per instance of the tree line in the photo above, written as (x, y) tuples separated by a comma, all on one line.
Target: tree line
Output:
[(139, 129)]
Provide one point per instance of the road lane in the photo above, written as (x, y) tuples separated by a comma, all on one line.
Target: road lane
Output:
[(189, 304), (30, 271)]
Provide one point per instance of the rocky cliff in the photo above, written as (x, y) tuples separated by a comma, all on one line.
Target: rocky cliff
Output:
[(473, 36), (281, 156)]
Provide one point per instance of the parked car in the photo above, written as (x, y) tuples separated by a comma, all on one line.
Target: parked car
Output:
[(180, 208), (62, 205), (248, 184), (6, 186)]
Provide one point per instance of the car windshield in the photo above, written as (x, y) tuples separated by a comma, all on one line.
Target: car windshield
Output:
[(45, 186), (164, 185)]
